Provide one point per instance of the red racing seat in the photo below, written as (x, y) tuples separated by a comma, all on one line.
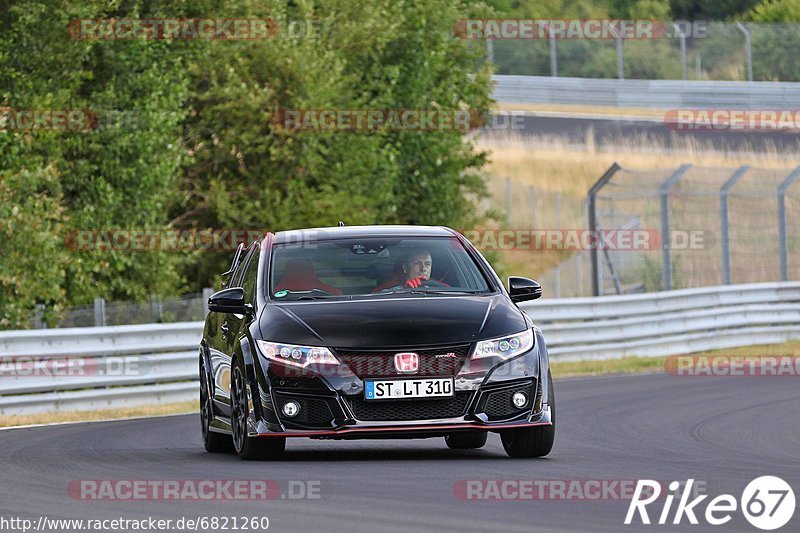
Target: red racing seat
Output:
[(299, 275)]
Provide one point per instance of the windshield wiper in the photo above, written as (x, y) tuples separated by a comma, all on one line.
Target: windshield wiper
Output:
[(451, 292), (396, 291), (312, 294)]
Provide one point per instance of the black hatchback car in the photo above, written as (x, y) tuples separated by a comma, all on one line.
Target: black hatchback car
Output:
[(372, 332)]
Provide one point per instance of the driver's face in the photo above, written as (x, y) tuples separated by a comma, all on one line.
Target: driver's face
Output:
[(419, 266)]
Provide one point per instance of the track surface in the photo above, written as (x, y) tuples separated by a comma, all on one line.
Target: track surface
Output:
[(609, 132), (723, 431)]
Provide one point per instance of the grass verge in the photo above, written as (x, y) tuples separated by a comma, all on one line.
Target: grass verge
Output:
[(101, 414), (638, 365)]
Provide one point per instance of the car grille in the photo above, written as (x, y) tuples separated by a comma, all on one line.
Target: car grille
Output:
[(498, 404), (366, 363), (395, 410)]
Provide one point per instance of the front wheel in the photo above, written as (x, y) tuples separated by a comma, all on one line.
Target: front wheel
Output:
[(536, 441), (249, 448)]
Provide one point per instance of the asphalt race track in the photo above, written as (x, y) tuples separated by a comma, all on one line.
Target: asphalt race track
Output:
[(721, 431), (610, 132)]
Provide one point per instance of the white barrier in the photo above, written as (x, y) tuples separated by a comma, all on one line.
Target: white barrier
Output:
[(652, 94), (157, 363)]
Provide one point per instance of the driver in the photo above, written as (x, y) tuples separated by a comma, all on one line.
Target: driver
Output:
[(417, 267)]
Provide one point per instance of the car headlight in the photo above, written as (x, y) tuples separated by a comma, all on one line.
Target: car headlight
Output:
[(505, 347), (300, 356)]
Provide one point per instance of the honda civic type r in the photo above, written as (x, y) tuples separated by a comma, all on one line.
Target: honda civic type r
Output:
[(372, 332)]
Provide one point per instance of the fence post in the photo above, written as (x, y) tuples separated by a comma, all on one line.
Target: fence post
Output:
[(592, 213), (155, 309), (490, 50), (38, 317), (99, 312), (682, 37), (724, 191), (748, 50), (207, 292), (666, 256), (553, 53), (558, 209), (783, 238), (509, 197), (620, 58), (532, 191)]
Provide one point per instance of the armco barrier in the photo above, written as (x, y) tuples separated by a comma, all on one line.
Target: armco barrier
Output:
[(164, 356), (653, 94)]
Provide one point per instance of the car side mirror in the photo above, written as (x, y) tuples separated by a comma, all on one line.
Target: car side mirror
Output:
[(229, 301), (523, 289)]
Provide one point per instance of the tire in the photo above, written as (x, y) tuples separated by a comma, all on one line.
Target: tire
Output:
[(212, 441), (249, 448), (535, 441), (467, 440)]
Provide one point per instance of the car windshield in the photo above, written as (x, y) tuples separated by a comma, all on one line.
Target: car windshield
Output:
[(372, 267)]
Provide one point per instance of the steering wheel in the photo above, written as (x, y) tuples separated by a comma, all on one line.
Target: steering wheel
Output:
[(433, 283)]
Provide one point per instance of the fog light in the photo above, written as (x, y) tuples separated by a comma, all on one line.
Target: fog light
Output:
[(518, 399), (291, 408)]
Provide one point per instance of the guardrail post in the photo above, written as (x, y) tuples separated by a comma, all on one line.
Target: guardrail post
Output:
[(783, 238), (666, 255), (592, 215), (99, 312), (724, 191)]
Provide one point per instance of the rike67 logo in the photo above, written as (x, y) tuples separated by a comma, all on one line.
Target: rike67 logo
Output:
[(767, 502)]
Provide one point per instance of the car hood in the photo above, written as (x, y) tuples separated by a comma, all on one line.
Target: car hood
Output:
[(391, 322)]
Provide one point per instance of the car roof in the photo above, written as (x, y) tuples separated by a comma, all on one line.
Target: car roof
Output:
[(346, 232)]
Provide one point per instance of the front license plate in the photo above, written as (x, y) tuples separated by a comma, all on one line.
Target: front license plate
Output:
[(394, 389)]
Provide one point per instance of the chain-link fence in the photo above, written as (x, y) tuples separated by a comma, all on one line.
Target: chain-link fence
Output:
[(708, 225), (527, 209), (188, 308), (710, 51)]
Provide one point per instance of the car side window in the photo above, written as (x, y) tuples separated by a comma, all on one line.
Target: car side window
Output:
[(250, 275), (236, 277)]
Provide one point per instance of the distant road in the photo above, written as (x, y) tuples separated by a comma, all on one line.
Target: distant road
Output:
[(613, 131)]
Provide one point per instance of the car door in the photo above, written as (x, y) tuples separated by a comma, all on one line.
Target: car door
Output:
[(227, 325)]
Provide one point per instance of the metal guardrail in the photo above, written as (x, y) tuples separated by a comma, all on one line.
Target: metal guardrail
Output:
[(157, 363), (670, 322), (653, 94)]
